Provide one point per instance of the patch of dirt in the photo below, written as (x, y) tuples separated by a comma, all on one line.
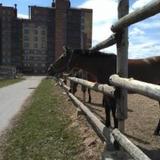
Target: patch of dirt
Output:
[(143, 117), (92, 145)]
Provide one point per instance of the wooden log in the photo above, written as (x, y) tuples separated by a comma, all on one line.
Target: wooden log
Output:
[(106, 132), (122, 65), (135, 86), (104, 44), (109, 134), (62, 84), (103, 130), (140, 14), (133, 150), (65, 74), (84, 76), (106, 89)]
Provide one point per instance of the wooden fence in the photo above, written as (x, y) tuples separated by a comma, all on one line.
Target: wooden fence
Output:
[(120, 38), (112, 135)]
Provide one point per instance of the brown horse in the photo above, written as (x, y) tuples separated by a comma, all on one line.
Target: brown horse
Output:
[(103, 65), (79, 73)]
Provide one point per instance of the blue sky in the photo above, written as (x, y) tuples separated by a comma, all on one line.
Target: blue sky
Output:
[(144, 36), (23, 4)]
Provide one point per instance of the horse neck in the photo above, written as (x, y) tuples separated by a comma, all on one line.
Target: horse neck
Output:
[(97, 65), (85, 64)]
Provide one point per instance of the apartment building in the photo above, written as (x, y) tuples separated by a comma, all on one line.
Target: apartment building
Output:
[(34, 43), (10, 37), (79, 28), (45, 16), (34, 47), (73, 26)]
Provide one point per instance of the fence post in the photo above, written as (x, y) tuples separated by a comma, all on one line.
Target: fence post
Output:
[(84, 76), (122, 65)]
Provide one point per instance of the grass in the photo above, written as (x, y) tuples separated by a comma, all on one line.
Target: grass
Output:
[(42, 131), (6, 82)]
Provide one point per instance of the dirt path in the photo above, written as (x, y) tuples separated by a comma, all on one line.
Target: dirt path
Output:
[(13, 96)]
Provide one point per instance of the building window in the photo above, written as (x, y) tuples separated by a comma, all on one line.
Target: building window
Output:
[(26, 38), (35, 45), (36, 39), (43, 32), (43, 45), (26, 51), (43, 38), (35, 32), (26, 25), (26, 45), (26, 31)]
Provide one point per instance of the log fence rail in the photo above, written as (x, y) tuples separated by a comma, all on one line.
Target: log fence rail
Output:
[(120, 81)]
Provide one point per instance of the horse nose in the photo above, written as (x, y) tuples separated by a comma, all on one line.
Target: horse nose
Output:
[(48, 72)]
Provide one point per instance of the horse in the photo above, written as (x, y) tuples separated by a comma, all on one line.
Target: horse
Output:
[(103, 65), (79, 73)]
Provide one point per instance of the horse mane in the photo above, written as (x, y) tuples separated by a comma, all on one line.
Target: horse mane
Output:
[(90, 53), (154, 58), (87, 52)]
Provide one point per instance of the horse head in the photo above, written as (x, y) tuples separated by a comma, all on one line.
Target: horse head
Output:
[(62, 64)]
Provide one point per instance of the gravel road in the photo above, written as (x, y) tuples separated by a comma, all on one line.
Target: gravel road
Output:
[(13, 97)]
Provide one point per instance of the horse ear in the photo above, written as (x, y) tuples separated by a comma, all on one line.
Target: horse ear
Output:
[(66, 50)]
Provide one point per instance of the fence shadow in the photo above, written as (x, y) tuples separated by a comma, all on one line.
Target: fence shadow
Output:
[(153, 154), (137, 139)]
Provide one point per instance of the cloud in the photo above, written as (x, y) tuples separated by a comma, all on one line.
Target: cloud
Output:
[(104, 14), (100, 8), (142, 42), (150, 23), (136, 32), (139, 3), (23, 16), (141, 50)]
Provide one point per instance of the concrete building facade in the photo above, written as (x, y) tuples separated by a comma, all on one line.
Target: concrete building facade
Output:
[(45, 16), (34, 47)]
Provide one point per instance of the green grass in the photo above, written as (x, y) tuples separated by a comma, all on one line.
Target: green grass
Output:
[(42, 131), (6, 82)]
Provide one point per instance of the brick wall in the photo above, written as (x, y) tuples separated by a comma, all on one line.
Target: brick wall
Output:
[(74, 28), (60, 29)]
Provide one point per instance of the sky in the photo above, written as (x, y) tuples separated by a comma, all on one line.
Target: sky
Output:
[(144, 36)]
